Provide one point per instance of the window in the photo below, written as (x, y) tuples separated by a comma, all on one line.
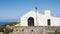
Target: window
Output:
[(48, 21)]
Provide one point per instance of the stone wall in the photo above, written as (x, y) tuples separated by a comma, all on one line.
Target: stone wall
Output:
[(35, 29)]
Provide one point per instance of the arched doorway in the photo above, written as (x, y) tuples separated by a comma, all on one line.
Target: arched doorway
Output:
[(30, 21)]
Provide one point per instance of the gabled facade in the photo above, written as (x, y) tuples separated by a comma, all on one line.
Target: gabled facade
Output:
[(33, 18)]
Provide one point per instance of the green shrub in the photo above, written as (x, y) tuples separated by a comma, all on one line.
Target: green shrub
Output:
[(8, 30)]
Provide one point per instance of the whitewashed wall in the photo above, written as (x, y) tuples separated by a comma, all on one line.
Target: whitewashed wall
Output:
[(24, 19), (55, 21), (41, 19)]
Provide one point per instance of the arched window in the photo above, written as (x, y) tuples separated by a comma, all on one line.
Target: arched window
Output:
[(30, 21)]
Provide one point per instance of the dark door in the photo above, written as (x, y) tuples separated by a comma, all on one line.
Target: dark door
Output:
[(49, 22), (30, 21)]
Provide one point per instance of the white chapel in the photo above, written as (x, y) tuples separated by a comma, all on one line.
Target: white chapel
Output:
[(34, 18)]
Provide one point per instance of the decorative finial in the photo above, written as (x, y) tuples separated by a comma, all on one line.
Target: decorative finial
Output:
[(36, 8)]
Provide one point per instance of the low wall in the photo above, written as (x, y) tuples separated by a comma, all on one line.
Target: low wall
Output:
[(35, 29)]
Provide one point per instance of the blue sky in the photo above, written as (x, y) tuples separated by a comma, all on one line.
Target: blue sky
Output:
[(13, 9)]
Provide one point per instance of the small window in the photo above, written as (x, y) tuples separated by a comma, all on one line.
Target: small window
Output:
[(48, 21)]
